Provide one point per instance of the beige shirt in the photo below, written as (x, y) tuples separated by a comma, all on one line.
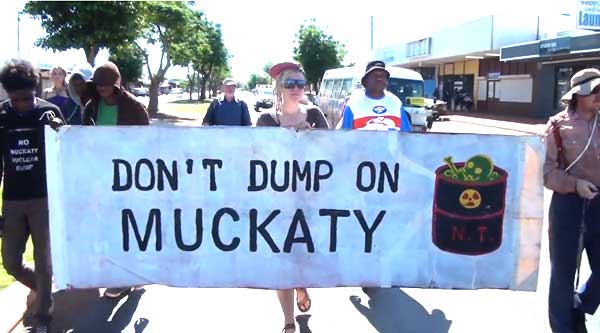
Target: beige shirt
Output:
[(574, 132)]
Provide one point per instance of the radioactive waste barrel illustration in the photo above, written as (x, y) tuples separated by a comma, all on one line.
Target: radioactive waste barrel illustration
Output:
[(468, 206)]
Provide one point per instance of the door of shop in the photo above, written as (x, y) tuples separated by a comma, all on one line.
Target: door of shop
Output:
[(492, 100)]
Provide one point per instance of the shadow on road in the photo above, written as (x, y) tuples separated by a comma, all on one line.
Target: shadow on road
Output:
[(303, 323), (84, 311), (391, 310)]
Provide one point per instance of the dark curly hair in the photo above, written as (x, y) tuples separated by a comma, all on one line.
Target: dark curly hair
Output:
[(18, 74)]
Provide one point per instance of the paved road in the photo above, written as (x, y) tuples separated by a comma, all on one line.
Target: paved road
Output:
[(161, 309)]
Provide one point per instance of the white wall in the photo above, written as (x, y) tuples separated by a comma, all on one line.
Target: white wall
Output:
[(510, 30), (392, 55), (482, 89), (515, 88), (486, 34), (462, 39)]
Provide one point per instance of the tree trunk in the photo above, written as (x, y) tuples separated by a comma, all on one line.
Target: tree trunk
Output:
[(203, 88), (199, 80), (191, 85), (90, 54), (153, 105)]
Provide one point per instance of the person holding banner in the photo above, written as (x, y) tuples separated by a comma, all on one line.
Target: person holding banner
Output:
[(24, 198), (376, 108), (110, 104), (571, 171), (291, 113)]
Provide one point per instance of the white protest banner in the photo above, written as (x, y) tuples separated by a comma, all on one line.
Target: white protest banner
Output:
[(276, 208)]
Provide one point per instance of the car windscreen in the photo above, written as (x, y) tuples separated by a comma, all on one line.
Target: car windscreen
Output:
[(405, 88)]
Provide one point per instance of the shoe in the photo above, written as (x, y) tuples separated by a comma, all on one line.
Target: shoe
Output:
[(41, 328), (28, 315), (116, 292), (578, 321), (42, 325)]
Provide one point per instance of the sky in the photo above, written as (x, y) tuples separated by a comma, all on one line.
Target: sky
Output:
[(261, 31)]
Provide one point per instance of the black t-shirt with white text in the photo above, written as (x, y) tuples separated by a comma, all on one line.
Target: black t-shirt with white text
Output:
[(22, 149)]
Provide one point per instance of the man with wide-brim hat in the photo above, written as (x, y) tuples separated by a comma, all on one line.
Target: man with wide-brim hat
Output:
[(571, 172), (227, 110), (583, 83), (376, 108)]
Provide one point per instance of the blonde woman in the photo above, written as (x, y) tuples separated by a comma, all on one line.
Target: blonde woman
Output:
[(290, 112), (57, 94)]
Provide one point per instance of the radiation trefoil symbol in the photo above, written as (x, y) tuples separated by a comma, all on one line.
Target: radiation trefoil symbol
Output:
[(470, 199)]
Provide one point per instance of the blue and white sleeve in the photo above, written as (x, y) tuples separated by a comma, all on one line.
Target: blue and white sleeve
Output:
[(348, 120), (405, 125)]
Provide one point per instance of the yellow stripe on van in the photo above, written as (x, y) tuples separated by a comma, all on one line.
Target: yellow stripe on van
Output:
[(416, 101)]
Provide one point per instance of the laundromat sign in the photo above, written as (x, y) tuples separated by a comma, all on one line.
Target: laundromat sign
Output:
[(588, 15)]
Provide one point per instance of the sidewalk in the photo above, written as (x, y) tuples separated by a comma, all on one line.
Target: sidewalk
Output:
[(13, 305), (521, 124)]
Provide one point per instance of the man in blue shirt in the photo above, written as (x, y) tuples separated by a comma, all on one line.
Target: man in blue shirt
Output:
[(227, 110)]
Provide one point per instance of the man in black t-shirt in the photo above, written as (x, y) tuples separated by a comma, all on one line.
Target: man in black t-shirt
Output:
[(25, 204)]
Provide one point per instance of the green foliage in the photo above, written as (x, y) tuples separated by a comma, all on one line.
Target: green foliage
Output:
[(130, 61), (256, 79), (317, 52), (87, 25), (216, 79), (203, 49), (166, 25)]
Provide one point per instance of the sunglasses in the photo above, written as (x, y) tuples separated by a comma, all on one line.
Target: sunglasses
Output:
[(298, 83)]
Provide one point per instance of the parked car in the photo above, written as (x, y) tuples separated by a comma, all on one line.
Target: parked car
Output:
[(264, 99), (140, 91)]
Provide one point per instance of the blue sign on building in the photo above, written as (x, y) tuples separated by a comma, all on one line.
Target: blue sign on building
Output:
[(588, 15)]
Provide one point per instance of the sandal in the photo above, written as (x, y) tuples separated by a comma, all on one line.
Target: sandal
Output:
[(290, 326), (304, 304)]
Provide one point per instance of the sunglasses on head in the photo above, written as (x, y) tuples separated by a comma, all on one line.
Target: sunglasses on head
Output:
[(290, 83)]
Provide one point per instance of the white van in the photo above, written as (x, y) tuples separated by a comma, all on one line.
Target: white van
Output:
[(339, 83)]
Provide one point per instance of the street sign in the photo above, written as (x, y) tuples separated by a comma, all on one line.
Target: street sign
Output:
[(588, 15), (493, 76), (555, 46)]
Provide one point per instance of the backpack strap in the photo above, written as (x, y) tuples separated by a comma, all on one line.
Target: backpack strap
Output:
[(555, 130)]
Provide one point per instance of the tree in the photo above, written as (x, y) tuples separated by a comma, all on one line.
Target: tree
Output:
[(165, 25), (213, 56), (130, 61), (317, 52), (187, 52), (266, 70), (256, 79), (216, 80), (88, 25)]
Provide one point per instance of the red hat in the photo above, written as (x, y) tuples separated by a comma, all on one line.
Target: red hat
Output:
[(276, 70)]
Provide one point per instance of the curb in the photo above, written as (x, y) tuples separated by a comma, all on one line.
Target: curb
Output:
[(13, 298)]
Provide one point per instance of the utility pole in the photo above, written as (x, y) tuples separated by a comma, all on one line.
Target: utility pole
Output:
[(19, 35), (371, 32)]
